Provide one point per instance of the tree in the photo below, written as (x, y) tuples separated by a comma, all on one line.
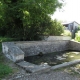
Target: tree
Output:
[(2, 18), (26, 19)]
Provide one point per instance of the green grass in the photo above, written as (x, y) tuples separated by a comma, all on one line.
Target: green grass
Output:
[(4, 68), (3, 39)]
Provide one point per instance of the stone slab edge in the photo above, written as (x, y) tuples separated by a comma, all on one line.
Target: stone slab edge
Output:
[(65, 64), (32, 67), (42, 68)]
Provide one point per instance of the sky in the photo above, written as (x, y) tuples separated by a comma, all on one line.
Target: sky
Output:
[(70, 11)]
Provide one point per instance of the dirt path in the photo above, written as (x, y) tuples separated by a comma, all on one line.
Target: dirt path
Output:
[(21, 74), (51, 75)]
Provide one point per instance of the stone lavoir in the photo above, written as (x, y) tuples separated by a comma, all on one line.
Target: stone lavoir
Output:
[(16, 51)]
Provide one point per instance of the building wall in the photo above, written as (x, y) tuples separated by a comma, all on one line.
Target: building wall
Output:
[(75, 25), (72, 26)]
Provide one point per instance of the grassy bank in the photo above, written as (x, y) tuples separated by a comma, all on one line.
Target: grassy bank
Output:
[(4, 68)]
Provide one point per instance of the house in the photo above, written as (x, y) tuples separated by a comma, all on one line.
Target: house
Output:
[(71, 26)]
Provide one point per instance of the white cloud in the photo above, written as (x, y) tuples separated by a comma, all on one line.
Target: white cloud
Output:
[(71, 11)]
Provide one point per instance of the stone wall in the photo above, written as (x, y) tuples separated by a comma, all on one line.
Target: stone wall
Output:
[(74, 45), (35, 47)]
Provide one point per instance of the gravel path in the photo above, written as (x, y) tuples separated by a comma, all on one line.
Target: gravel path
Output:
[(21, 74), (50, 75)]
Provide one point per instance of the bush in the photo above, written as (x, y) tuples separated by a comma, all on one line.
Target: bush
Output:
[(55, 29), (66, 33), (77, 37)]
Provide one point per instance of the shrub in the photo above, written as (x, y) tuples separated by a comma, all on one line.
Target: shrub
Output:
[(77, 37), (55, 29), (66, 33), (46, 32)]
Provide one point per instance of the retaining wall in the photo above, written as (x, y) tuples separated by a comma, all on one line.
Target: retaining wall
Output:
[(34, 48)]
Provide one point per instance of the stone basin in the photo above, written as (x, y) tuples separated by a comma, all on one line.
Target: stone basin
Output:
[(17, 51)]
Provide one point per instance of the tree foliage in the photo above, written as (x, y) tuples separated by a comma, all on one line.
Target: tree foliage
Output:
[(56, 28), (26, 19), (66, 33)]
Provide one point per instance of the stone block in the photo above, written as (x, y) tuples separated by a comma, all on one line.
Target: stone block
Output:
[(74, 45), (12, 51)]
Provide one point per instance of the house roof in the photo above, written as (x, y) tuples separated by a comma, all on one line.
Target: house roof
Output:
[(68, 22)]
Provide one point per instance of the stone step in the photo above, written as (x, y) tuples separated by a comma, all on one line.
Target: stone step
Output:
[(32, 67)]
